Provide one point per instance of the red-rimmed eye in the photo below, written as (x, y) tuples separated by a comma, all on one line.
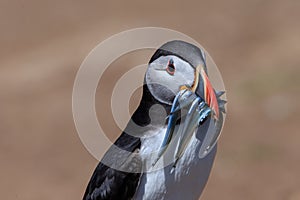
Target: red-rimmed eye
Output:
[(171, 67)]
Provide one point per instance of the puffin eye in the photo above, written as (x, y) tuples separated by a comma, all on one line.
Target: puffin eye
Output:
[(171, 67)]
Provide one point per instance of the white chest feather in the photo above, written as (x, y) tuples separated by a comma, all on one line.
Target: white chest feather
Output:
[(188, 178)]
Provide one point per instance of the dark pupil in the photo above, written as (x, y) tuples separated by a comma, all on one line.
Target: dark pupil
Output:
[(171, 66)]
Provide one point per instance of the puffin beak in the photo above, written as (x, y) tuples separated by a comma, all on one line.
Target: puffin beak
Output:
[(209, 94)]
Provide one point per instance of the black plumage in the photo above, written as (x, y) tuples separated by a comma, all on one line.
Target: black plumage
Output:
[(108, 183)]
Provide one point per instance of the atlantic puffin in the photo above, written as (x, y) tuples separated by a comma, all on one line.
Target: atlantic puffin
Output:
[(167, 150)]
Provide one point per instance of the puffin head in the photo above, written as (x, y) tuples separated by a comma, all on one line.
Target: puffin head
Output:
[(179, 65)]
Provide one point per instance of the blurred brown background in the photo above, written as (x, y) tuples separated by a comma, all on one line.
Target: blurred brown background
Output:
[(255, 44)]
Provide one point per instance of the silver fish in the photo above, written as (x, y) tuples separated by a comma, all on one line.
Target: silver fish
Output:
[(197, 113)]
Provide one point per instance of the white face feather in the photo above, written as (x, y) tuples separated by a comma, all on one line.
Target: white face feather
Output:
[(164, 86)]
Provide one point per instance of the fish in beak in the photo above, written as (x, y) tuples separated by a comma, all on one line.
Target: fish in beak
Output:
[(201, 101)]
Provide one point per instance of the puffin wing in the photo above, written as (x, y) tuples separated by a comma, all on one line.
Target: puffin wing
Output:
[(121, 179)]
